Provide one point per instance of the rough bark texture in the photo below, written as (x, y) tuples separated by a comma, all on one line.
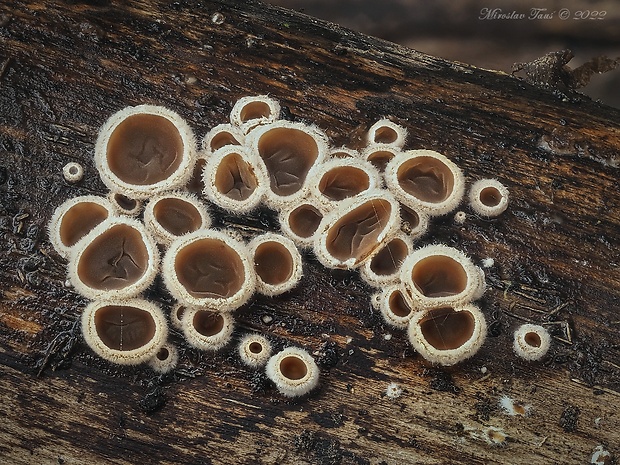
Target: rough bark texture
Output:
[(65, 67)]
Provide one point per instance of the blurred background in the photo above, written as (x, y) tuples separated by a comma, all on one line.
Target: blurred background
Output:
[(491, 34)]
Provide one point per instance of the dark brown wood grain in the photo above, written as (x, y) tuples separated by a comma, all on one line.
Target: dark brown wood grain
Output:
[(66, 66)]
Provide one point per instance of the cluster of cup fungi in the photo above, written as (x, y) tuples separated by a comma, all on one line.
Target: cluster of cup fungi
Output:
[(356, 209)]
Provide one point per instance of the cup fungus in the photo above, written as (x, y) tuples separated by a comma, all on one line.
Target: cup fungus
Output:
[(252, 111), (352, 233), (222, 135), (174, 214), (277, 263), (531, 342), (165, 359), (394, 307), (438, 275), (425, 181), (117, 259), (413, 223), (447, 335), (73, 172), (126, 332), (488, 197), (386, 132), (293, 371), (384, 265), (344, 152), (123, 205), (176, 315), (74, 219), (144, 150), (207, 330), (290, 152), (254, 350), (234, 180), (379, 155), (342, 178), (208, 269), (301, 222)]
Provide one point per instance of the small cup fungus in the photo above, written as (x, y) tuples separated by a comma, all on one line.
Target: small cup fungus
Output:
[(126, 332), (384, 265), (174, 214), (165, 359), (144, 150), (386, 132), (220, 136), (425, 181), (254, 350), (413, 223), (252, 111), (447, 335), (301, 222), (123, 205), (73, 172), (293, 371), (379, 155), (207, 330), (342, 178), (343, 152), (74, 219), (393, 305), (277, 263), (531, 342), (209, 269), (176, 315), (488, 197), (117, 259)]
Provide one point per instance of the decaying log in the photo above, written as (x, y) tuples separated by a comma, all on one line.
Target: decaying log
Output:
[(65, 67)]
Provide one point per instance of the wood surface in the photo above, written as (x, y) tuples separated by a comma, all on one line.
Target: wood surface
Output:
[(66, 66)]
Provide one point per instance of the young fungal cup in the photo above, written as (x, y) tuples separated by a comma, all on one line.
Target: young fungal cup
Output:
[(73, 172), (300, 222), (531, 342), (293, 371), (207, 330), (379, 155), (222, 135), (277, 263), (254, 350), (394, 308), (251, 111), (145, 150), (166, 358), (123, 205), (488, 197), (386, 132)]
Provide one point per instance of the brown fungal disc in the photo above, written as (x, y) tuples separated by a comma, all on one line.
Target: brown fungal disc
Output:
[(255, 347), (426, 178), (343, 181), (177, 216), (533, 339), (196, 184), (409, 216), (208, 323), (115, 259), (385, 135), (123, 327), (273, 263), (255, 110), (79, 220), (235, 177), (439, 276), (356, 233), (125, 202), (144, 149), (163, 354), (490, 196), (209, 268), (388, 260), (222, 139), (288, 154), (380, 159), (398, 304), (446, 329), (293, 367), (304, 220)]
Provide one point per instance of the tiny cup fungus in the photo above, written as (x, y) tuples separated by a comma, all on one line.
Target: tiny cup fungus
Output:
[(125, 332), (301, 222), (352, 233), (171, 215), (208, 269), (293, 371), (343, 178), (343, 152), (74, 219), (207, 330), (117, 259), (438, 275), (249, 112), (73, 172), (384, 265), (393, 305), (144, 150), (165, 359), (124, 205), (234, 180), (447, 335), (254, 350), (379, 155), (488, 197), (413, 223), (386, 132), (176, 315), (426, 181), (277, 263), (531, 342), (220, 136)]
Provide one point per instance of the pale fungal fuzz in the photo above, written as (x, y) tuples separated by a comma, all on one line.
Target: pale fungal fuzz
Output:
[(601, 456), (74, 219), (145, 150), (176, 315), (118, 259), (393, 391), (123, 205), (253, 111), (386, 132), (73, 172), (494, 436), (166, 358), (426, 181), (277, 263), (513, 408), (448, 335), (254, 350), (207, 330), (460, 217), (488, 197), (220, 136), (531, 342), (293, 371), (343, 152), (126, 332)]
